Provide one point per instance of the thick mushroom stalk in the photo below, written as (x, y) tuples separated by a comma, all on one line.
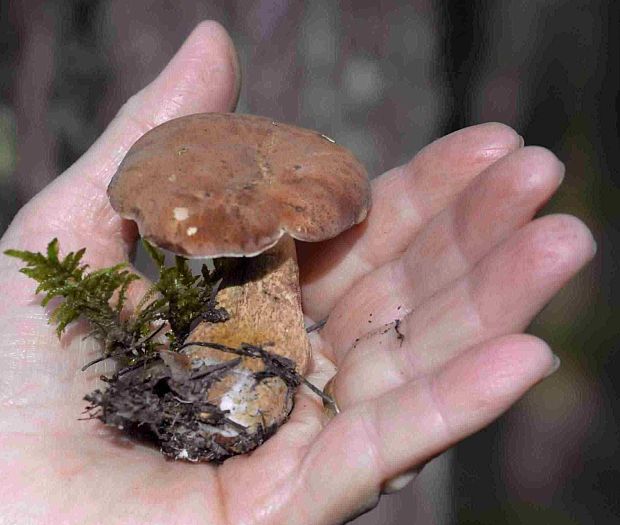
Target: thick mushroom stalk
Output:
[(263, 300)]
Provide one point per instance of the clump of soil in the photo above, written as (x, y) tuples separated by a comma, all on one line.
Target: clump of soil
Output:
[(171, 405)]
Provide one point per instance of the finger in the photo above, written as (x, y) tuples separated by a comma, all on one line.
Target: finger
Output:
[(403, 200), (202, 76), (500, 201), (500, 296), (370, 443)]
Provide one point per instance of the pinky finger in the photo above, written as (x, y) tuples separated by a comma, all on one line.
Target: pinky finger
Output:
[(365, 447)]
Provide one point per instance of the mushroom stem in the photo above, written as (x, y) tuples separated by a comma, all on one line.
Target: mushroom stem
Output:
[(263, 299)]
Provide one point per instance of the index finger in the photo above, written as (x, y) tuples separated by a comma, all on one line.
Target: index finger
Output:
[(404, 199)]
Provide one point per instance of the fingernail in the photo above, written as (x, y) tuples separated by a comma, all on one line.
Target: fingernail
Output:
[(594, 246), (561, 177), (554, 366), (521, 141), (400, 482)]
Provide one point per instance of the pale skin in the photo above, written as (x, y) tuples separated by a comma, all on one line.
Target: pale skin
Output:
[(450, 249)]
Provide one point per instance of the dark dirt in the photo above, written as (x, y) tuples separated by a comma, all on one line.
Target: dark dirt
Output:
[(171, 408)]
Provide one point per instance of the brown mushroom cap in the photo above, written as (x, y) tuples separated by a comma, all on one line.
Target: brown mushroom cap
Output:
[(214, 185)]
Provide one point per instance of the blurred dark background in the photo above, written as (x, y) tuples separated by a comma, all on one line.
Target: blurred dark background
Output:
[(384, 78)]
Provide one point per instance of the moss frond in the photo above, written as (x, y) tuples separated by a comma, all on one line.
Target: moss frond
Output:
[(182, 296), (87, 295), (178, 298)]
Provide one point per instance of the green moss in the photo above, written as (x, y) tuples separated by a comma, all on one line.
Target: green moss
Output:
[(173, 304)]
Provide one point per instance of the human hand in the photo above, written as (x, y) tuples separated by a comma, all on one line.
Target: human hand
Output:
[(449, 251)]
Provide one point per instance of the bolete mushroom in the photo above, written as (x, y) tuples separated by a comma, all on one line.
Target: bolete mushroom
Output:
[(239, 186)]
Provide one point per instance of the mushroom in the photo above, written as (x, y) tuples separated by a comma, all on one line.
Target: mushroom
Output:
[(243, 188)]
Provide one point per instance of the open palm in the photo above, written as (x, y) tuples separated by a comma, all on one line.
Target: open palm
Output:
[(426, 302)]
